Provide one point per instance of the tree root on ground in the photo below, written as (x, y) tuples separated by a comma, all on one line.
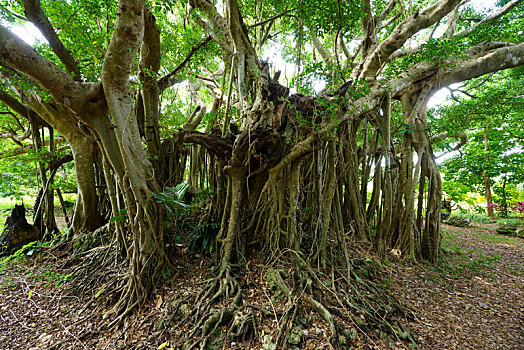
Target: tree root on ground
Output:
[(351, 307), (209, 322)]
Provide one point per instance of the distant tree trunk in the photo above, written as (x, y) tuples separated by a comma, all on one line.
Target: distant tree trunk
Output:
[(487, 179), (504, 209), (44, 213)]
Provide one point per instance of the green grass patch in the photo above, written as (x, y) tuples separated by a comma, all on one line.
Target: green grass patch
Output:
[(458, 261), (500, 239), (449, 241), (9, 203)]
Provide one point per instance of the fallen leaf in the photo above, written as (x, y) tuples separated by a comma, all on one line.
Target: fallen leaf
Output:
[(159, 302)]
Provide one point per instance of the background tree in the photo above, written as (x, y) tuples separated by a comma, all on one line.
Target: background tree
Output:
[(488, 110)]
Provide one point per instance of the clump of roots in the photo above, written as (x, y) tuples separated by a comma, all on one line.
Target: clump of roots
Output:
[(349, 301)]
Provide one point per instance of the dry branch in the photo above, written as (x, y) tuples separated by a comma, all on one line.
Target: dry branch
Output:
[(27, 148)]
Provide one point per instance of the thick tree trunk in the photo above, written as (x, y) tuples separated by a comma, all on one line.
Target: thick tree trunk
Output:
[(419, 238), (86, 217), (119, 135)]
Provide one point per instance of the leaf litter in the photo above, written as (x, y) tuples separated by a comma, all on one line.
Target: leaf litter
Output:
[(474, 299)]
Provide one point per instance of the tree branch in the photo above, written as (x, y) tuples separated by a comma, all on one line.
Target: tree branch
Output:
[(452, 92), (405, 30), (14, 14), (17, 106), (22, 57), (463, 138), (504, 10), (214, 144), (272, 18), (196, 117), (217, 26), (238, 31), (34, 13), (118, 61), (389, 7), (27, 148), (520, 138), (166, 81), (452, 23), (369, 41), (498, 59), (13, 135), (326, 57)]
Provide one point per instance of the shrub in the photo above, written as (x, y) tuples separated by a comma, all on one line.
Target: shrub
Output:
[(481, 218), (518, 207), (515, 221), (458, 221)]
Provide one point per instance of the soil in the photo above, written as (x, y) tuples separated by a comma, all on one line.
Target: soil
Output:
[(473, 299)]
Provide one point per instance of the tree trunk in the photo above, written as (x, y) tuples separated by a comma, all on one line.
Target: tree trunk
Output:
[(487, 179), (86, 217)]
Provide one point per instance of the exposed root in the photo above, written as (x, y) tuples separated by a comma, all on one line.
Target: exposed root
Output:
[(349, 303), (208, 320)]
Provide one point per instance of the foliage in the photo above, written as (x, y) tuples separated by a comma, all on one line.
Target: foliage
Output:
[(26, 250), (456, 191), (120, 217), (18, 179), (55, 278), (204, 236), (517, 222), (493, 112), (388, 50), (172, 199), (476, 217), (457, 261), (518, 207)]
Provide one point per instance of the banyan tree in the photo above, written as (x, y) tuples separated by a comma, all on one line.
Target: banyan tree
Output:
[(298, 177)]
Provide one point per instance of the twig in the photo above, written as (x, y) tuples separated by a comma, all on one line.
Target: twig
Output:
[(21, 324), (163, 82)]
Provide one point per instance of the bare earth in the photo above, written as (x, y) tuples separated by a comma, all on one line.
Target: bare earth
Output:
[(473, 300)]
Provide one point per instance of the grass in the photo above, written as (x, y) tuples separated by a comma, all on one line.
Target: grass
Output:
[(491, 236), (461, 261), (16, 261), (499, 239), (9, 203)]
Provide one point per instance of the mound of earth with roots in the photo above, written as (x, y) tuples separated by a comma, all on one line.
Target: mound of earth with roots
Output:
[(62, 301)]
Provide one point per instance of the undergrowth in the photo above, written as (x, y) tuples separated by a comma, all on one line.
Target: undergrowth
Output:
[(514, 221), (476, 217)]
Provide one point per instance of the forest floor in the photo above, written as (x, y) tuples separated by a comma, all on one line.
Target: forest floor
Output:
[(473, 299)]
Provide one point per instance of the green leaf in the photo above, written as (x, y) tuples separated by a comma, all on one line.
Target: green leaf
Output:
[(99, 292)]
